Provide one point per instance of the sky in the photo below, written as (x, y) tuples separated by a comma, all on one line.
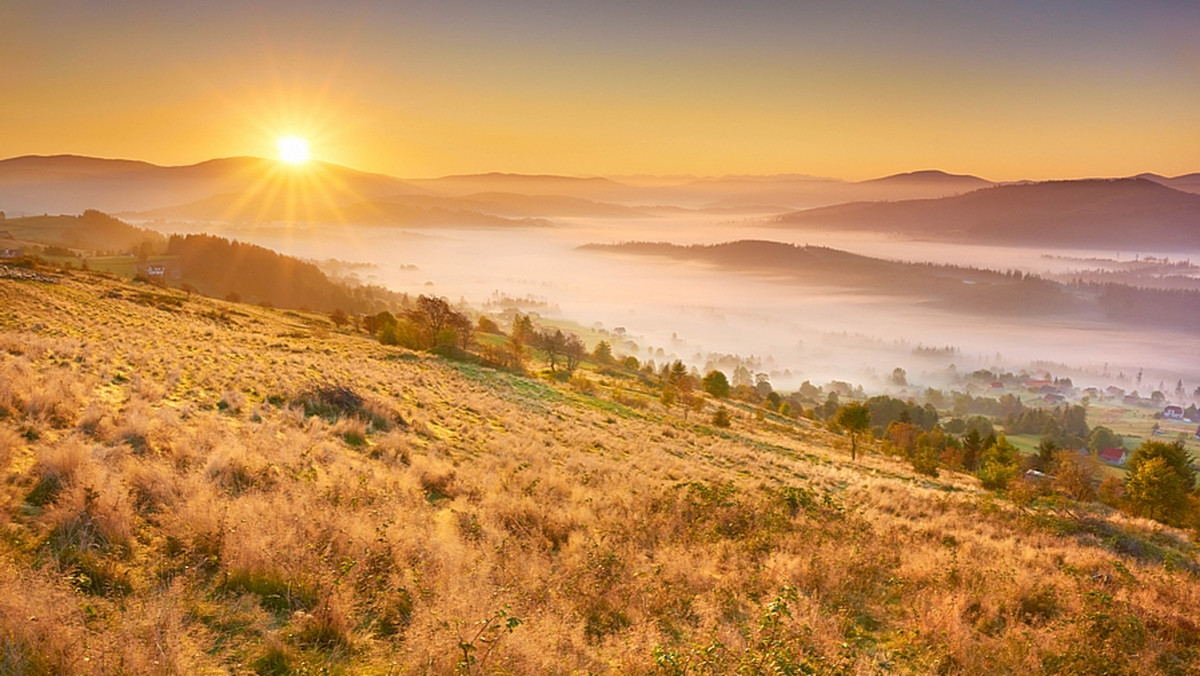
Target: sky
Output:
[(1006, 90)]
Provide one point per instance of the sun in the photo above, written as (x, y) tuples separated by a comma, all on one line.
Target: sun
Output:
[(293, 150)]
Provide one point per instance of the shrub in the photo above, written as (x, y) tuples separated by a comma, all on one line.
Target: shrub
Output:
[(582, 384), (721, 417), (333, 402)]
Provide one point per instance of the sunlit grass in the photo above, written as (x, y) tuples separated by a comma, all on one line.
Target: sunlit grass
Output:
[(205, 487)]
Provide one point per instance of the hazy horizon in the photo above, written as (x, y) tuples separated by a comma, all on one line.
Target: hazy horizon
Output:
[(1013, 91)]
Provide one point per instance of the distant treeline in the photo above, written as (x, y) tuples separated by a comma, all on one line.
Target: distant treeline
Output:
[(1165, 308), (960, 288), (220, 267)]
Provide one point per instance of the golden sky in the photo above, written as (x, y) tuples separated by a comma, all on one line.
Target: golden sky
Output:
[(1004, 90)]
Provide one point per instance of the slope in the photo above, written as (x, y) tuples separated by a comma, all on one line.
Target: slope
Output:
[(196, 486)]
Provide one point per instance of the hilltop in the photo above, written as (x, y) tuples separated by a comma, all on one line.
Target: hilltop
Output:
[(195, 485), (198, 262), (1120, 213)]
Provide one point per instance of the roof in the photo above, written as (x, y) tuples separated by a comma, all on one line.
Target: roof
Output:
[(1112, 454)]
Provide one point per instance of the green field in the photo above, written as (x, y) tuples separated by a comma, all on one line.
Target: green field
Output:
[(1137, 425)]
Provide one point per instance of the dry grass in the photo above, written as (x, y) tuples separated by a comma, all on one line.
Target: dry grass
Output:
[(180, 498)]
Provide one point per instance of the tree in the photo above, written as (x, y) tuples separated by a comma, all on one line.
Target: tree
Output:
[(1156, 491), (1159, 478), (1102, 438), (899, 377), (716, 384), (762, 383), (435, 318), (972, 449), (552, 343), (1045, 454), (522, 329), (721, 417), (339, 318), (831, 406), (603, 352), (742, 377), (573, 351), (375, 323), (855, 418), (1075, 474), (678, 370), (999, 465)]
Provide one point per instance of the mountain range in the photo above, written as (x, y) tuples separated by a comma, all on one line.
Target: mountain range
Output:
[(1148, 211), (1126, 213)]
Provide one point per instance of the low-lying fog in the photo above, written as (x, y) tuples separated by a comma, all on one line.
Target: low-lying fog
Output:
[(690, 311)]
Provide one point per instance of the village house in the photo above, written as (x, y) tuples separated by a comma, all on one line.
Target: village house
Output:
[(1113, 455), (1173, 412), (12, 253), (159, 271)]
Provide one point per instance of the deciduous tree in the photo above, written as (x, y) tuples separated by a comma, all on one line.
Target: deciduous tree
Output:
[(1159, 480), (855, 418)]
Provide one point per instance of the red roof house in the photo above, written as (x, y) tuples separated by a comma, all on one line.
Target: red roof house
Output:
[(1113, 455)]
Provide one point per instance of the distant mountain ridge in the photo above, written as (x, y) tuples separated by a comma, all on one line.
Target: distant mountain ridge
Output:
[(970, 291), (1123, 213), (72, 183), (35, 184), (928, 176)]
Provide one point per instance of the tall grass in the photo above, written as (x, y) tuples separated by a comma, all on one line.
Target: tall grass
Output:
[(184, 498)]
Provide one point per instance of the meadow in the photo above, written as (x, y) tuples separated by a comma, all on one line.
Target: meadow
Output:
[(195, 486)]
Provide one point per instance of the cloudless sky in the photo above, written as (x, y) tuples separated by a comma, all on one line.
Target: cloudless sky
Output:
[(1003, 89)]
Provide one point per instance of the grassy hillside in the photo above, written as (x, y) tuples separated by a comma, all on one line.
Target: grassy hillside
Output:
[(193, 486)]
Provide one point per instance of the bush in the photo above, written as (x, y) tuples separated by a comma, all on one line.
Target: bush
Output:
[(333, 402), (582, 384), (721, 417)]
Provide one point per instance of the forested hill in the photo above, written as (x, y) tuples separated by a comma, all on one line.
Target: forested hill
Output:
[(961, 289), (92, 230), (221, 267), (1131, 213)]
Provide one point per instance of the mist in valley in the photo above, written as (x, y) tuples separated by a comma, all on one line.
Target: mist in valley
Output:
[(664, 309)]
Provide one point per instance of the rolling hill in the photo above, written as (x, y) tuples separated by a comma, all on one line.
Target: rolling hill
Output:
[(1129, 214), (195, 486)]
